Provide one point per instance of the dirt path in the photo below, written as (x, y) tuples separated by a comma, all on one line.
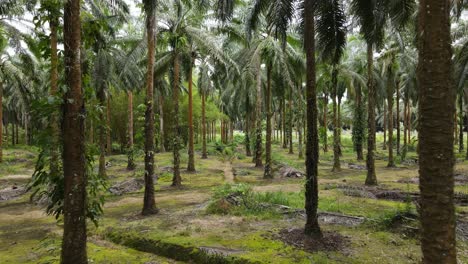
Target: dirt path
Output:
[(228, 175)]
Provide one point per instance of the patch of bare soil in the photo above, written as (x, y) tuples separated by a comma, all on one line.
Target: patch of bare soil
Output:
[(331, 241), (12, 192), (127, 186)]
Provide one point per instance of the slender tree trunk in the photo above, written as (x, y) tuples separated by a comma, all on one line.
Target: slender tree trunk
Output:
[(16, 132), (312, 227), (191, 151), (405, 124), (409, 122), (102, 133), (149, 203), (385, 121), (176, 179), (1, 121), (73, 130), (54, 122), (258, 142), (391, 162), (371, 178), (204, 153), (108, 127), (162, 147), (13, 141), (300, 145), (437, 105), (398, 137), (325, 122), (290, 123), (268, 166), (460, 117), (285, 137), (131, 162), (248, 151), (336, 142)]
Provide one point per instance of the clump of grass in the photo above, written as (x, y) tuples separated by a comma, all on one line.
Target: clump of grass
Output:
[(240, 199)]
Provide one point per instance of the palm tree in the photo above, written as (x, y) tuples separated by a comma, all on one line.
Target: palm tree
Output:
[(149, 204), (436, 133), (332, 47), (372, 16), (74, 164)]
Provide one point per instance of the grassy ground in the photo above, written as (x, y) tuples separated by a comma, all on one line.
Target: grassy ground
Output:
[(187, 219)]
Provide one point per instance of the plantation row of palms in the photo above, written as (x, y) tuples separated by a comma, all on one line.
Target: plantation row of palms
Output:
[(272, 68)]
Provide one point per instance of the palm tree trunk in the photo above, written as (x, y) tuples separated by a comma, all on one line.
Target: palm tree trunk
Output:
[(391, 162), (290, 123), (130, 150), (102, 133), (409, 122), (248, 151), (149, 203), (460, 117), (258, 142), (162, 147), (204, 153), (312, 227), (108, 127), (300, 144), (336, 143), (285, 137), (191, 152), (405, 124), (268, 166), (325, 122), (398, 138), (385, 127), (371, 179), (1, 121), (437, 106), (176, 179), (339, 127), (54, 122), (73, 131)]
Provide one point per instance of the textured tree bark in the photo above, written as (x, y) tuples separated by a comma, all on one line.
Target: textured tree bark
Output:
[(130, 161), (312, 227), (325, 122), (73, 131), (176, 179), (267, 172), (1, 121), (436, 124), (336, 141), (204, 153), (191, 152), (398, 128), (371, 178), (54, 122), (149, 203), (258, 142), (162, 138), (108, 127), (290, 123), (460, 120), (405, 124), (409, 122), (102, 133), (391, 162), (248, 151), (285, 137), (384, 147)]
